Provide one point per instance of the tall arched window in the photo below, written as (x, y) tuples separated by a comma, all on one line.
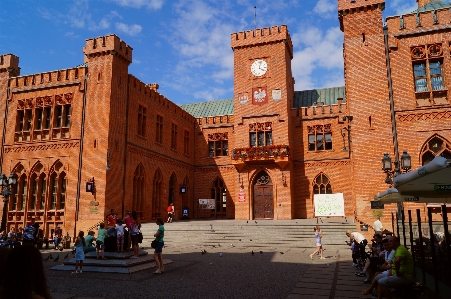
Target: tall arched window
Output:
[(22, 193), (138, 191), (62, 191), (42, 191), (436, 146), (321, 185), (34, 183), (156, 196), (219, 193), (185, 195), (172, 188)]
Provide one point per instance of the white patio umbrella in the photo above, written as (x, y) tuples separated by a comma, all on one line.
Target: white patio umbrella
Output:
[(430, 181)]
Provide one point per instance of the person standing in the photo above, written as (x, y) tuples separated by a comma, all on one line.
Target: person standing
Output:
[(319, 246), (111, 223), (170, 210), (12, 238), (136, 225), (128, 225), (158, 253), (100, 245), (359, 239), (120, 235), (377, 225), (57, 235), (28, 234), (80, 244)]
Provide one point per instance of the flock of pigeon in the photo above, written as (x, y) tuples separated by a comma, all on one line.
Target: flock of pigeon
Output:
[(50, 257), (203, 251)]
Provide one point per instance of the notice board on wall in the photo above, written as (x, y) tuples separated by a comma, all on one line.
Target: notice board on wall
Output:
[(327, 205), (207, 204)]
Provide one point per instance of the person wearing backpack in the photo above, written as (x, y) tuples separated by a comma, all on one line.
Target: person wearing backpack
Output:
[(28, 234)]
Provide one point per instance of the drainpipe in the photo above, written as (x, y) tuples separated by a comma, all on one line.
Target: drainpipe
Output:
[(5, 122), (392, 109), (80, 156), (125, 149)]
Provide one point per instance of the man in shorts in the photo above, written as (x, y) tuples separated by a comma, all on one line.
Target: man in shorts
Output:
[(402, 270)]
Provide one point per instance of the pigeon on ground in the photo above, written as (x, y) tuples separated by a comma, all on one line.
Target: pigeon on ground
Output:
[(213, 246), (240, 240), (57, 258), (204, 251), (252, 252), (281, 252), (247, 221), (47, 258), (66, 256), (219, 245), (261, 252), (50, 256), (250, 240), (255, 222)]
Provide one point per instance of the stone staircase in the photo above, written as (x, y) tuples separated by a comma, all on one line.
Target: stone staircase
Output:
[(259, 234), (114, 263)]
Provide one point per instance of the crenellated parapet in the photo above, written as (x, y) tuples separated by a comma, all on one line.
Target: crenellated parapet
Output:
[(214, 121), (319, 110), (49, 79), (150, 92), (10, 63), (346, 7), (274, 34), (417, 23), (107, 45)]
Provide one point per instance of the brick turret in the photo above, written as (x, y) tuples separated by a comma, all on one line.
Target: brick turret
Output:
[(109, 44), (422, 3), (346, 7), (10, 63)]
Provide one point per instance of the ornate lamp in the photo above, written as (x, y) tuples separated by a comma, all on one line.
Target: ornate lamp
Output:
[(406, 161), (386, 162)]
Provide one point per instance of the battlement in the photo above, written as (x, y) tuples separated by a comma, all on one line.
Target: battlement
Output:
[(215, 120), (10, 63), (262, 36), (319, 110), (418, 22), (72, 75), (109, 44), (149, 91), (344, 5)]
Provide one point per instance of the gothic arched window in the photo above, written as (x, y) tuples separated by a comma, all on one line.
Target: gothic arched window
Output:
[(321, 184), (219, 193), (436, 146), (156, 196), (138, 191)]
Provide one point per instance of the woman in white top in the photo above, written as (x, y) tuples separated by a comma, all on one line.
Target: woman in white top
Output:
[(319, 246), (120, 235)]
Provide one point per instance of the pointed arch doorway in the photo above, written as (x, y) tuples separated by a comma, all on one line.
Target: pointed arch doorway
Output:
[(263, 196)]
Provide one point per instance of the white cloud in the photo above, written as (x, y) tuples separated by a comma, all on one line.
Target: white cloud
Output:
[(325, 8), (403, 6), (136, 61), (150, 4), (211, 94), (131, 30), (320, 51)]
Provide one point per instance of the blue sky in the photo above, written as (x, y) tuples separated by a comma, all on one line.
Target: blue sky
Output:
[(182, 45)]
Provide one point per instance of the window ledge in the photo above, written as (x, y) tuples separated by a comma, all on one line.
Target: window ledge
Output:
[(421, 92), (141, 136), (440, 90)]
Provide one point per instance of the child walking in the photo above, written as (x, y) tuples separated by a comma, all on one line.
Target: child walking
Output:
[(79, 252), (120, 235), (319, 246)]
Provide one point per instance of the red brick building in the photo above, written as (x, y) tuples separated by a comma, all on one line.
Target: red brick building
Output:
[(262, 154)]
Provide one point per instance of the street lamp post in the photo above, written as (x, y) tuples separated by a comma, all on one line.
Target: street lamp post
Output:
[(406, 164), (6, 185)]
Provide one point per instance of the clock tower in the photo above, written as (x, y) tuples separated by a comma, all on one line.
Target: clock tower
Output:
[(263, 83), (263, 91)]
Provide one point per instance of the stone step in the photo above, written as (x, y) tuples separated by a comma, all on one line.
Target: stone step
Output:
[(103, 269), (113, 262)]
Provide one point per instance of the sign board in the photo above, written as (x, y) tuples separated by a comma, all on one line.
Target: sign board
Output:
[(241, 197), (329, 205), (259, 96), (378, 213), (185, 212), (376, 205), (207, 204), (442, 187), (411, 199)]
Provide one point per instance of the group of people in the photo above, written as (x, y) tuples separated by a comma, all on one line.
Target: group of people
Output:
[(387, 264), (30, 235), (132, 229)]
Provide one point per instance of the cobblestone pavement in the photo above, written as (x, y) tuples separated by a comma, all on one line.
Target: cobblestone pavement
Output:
[(277, 272)]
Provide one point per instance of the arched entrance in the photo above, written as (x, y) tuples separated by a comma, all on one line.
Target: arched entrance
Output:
[(263, 196)]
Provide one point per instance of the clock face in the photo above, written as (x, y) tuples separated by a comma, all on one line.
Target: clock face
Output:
[(259, 67)]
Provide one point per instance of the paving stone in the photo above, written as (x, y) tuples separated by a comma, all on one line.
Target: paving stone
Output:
[(313, 285), (313, 292)]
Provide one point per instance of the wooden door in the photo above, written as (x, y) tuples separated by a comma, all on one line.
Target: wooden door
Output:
[(263, 197)]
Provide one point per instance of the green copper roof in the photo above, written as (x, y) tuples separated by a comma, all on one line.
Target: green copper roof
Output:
[(210, 108), (326, 96), (433, 6)]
